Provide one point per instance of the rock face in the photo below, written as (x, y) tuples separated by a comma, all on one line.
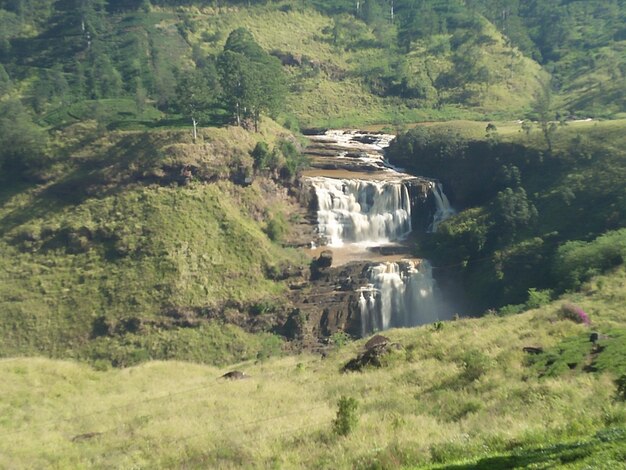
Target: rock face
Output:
[(329, 303), (364, 209)]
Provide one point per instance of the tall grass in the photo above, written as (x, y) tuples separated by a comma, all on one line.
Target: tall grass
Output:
[(463, 392)]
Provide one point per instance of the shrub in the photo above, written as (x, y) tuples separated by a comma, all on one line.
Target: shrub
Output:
[(276, 228), (574, 313), (511, 309), (475, 364), (577, 261), (621, 388), (340, 338), (538, 298), (347, 416)]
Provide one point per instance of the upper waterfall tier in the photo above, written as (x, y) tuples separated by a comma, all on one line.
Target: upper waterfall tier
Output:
[(360, 198), (351, 151), (357, 211)]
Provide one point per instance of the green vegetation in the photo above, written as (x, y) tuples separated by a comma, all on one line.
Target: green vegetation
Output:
[(532, 217), (126, 247), (347, 416), (385, 61), (463, 396), (145, 199)]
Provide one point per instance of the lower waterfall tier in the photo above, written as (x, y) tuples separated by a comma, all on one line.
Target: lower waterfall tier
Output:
[(399, 295)]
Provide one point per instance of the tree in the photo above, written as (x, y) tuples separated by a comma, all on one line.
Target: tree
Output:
[(260, 155), (196, 90), (22, 142), (512, 211), (237, 82), (252, 80), (5, 81), (542, 107)]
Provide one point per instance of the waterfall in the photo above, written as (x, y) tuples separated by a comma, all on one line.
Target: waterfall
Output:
[(399, 295), (360, 211), (443, 210)]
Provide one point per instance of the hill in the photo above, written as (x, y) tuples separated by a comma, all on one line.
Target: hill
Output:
[(428, 60), (139, 257), (127, 242), (530, 204)]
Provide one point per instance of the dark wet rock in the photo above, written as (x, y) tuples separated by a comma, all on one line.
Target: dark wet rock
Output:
[(365, 139), (314, 131), (325, 259), (321, 265), (356, 155)]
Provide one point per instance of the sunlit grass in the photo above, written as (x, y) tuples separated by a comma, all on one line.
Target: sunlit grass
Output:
[(421, 408)]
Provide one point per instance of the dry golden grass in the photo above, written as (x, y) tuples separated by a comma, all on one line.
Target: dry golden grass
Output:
[(419, 408)]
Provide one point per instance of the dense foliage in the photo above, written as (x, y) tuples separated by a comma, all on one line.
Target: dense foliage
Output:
[(431, 54), (532, 216)]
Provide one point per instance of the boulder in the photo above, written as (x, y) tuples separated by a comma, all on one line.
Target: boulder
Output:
[(235, 375), (532, 350), (372, 357), (325, 259), (376, 340)]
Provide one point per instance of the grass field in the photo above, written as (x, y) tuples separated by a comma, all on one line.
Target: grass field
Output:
[(462, 396)]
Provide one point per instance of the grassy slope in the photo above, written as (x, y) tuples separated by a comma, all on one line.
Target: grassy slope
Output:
[(460, 394), (331, 90), (93, 243)]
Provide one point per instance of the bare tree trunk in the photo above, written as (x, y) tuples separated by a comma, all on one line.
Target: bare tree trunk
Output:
[(195, 129)]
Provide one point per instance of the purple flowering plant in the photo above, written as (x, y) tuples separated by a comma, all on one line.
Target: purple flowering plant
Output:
[(574, 313)]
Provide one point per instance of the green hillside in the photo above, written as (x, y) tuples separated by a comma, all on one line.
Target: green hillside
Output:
[(112, 249), (529, 206), (432, 60)]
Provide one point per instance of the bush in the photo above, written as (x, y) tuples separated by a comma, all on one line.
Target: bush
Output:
[(276, 229), (621, 388), (574, 313), (475, 364), (347, 416), (577, 261), (538, 298), (340, 338), (512, 309), (260, 155)]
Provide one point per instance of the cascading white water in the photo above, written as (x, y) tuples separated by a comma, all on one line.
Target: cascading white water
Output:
[(359, 211), (443, 209), (374, 208), (400, 295)]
